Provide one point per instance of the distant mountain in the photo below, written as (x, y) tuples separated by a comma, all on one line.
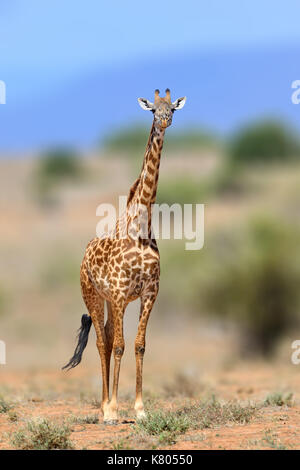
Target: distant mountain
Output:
[(223, 89)]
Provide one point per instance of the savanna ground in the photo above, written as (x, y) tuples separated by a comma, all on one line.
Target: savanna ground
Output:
[(209, 404), (200, 393)]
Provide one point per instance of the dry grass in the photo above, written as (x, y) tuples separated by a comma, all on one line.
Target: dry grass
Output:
[(42, 434), (279, 399), (168, 425), (179, 422), (88, 419), (212, 413), (5, 406)]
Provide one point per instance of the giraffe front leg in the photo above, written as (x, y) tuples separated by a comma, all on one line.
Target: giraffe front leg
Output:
[(109, 334), (140, 343), (111, 414)]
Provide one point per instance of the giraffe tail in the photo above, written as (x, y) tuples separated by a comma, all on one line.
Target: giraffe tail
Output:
[(83, 336)]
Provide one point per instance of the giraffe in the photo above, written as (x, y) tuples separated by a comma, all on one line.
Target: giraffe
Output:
[(119, 269)]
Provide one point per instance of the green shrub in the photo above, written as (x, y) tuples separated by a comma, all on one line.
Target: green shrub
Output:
[(158, 422), (270, 439), (59, 164), (190, 139), (167, 425), (131, 140), (13, 416), (254, 281), (279, 399), (263, 142), (181, 191), (5, 406), (134, 140), (54, 168), (88, 419), (41, 434), (212, 413)]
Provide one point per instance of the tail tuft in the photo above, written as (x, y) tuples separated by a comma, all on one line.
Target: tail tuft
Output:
[(83, 336)]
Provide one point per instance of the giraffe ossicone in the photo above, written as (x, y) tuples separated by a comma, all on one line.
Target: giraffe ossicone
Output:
[(117, 270)]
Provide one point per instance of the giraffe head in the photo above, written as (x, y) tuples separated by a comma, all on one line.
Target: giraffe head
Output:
[(162, 108)]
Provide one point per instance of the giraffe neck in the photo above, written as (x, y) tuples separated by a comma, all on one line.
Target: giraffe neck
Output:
[(144, 189)]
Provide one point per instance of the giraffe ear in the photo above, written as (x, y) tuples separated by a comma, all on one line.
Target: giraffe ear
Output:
[(145, 104), (179, 103)]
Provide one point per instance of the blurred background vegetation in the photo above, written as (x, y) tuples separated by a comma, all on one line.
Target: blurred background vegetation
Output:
[(73, 137), (247, 274), (55, 167), (132, 140), (246, 278)]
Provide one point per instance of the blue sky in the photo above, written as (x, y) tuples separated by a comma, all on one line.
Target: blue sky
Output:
[(56, 38), (46, 46)]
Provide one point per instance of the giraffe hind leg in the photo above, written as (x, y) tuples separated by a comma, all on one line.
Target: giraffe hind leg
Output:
[(95, 306)]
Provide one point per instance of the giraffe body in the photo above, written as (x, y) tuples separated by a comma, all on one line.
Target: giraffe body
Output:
[(119, 268)]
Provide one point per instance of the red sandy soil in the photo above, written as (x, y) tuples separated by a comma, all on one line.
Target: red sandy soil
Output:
[(49, 395)]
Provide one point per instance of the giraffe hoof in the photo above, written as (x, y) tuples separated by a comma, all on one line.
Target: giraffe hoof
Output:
[(110, 422), (141, 415)]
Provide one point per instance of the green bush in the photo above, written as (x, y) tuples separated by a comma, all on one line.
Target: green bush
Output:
[(190, 139), (279, 399), (130, 140), (254, 281), (160, 421), (5, 406), (86, 419), (211, 413), (263, 142), (54, 168), (41, 434), (59, 164), (182, 191), (201, 415), (134, 140)]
